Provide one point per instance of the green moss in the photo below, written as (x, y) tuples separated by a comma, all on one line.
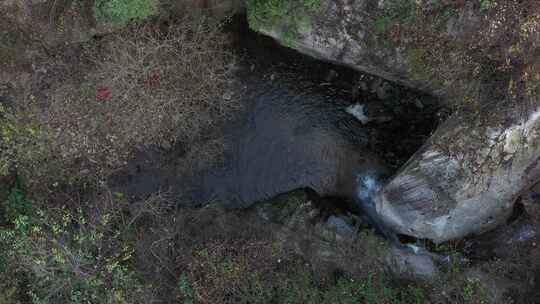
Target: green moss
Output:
[(291, 15), (265, 13), (10, 41), (487, 4), (283, 206), (421, 68), (23, 146), (122, 11), (383, 24), (397, 11)]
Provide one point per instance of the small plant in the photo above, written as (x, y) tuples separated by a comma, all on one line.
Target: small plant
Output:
[(185, 290), (263, 14), (487, 4), (473, 291), (24, 148), (122, 11)]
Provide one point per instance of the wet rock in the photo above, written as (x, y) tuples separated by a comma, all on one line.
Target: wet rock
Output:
[(408, 263), (341, 225), (531, 201), (227, 95), (332, 75), (385, 91), (330, 244), (357, 110)]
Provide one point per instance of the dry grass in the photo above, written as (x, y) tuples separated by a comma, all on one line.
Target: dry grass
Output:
[(146, 86)]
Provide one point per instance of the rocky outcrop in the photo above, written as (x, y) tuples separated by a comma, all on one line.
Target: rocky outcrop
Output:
[(433, 46), (480, 56)]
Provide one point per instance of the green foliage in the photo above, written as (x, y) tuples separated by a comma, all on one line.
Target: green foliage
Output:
[(396, 11), (474, 292), (16, 205), (418, 59), (382, 24), (301, 287), (297, 285), (9, 41), (23, 146), (122, 11), (61, 255), (407, 13), (487, 4), (292, 14), (370, 292), (185, 290)]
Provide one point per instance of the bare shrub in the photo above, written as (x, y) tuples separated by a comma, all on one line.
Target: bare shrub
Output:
[(168, 83), (147, 86)]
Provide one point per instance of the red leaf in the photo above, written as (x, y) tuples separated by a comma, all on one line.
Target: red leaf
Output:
[(103, 93)]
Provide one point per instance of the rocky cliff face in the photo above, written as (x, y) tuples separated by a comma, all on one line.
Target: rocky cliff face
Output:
[(480, 56)]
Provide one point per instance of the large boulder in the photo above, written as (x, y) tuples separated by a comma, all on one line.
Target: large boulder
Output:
[(480, 56), (467, 177)]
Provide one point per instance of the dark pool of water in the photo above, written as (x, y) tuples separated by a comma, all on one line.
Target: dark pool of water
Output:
[(293, 132)]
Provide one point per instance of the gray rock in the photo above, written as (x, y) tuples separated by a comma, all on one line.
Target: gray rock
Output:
[(385, 91), (466, 178), (340, 225), (408, 263)]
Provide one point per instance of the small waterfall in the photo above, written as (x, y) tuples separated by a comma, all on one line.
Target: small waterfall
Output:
[(368, 186)]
